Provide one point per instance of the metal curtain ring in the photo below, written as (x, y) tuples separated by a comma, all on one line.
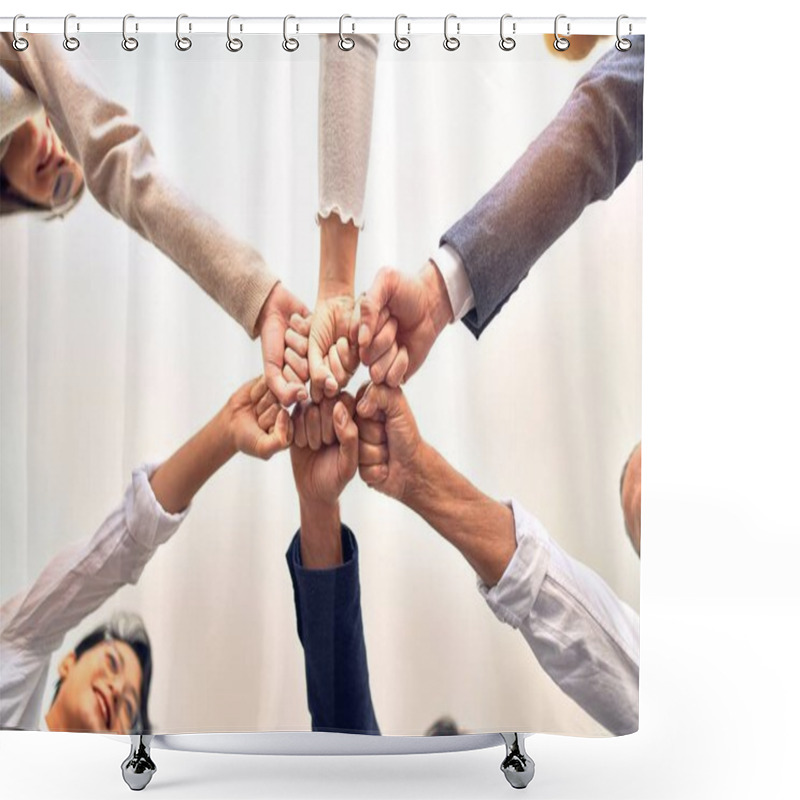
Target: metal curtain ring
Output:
[(19, 43), (622, 44), (233, 44), (345, 42), (289, 44), (451, 42), (183, 43), (70, 42), (507, 42), (559, 43), (401, 43), (128, 42)]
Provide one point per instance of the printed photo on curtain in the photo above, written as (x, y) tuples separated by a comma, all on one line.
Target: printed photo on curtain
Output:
[(320, 385)]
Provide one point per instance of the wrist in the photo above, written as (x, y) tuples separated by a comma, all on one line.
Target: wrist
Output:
[(418, 486), (441, 312), (262, 315), (224, 432), (320, 534), (333, 287)]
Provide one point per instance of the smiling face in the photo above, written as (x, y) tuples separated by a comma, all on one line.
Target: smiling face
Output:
[(38, 167), (100, 691)]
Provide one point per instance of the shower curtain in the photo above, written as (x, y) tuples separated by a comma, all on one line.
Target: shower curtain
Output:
[(527, 404)]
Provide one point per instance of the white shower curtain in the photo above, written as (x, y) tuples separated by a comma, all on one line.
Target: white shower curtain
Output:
[(110, 356)]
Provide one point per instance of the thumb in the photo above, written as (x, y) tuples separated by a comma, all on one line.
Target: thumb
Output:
[(380, 397), (279, 438), (347, 434), (379, 296)]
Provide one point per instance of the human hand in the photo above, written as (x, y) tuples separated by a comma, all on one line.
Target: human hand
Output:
[(421, 309), (389, 444), (341, 360), (272, 324), (325, 449), (331, 357), (256, 423)]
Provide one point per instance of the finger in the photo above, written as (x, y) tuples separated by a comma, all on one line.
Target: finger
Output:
[(348, 355), (313, 429), (380, 398), (361, 389), (397, 372), (272, 348), (297, 342), (300, 325), (267, 418), (374, 475), (371, 454), (270, 443), (383, 318), (292, 377), (349, 403), (379, 369), (257, 389), (378, 296), (355, 321), (382, 342), (268, 399), (317, 368), (284, 429), (298, 364), (347, 434), (337, 368), (299, 418), (370, 431), (326, 421)]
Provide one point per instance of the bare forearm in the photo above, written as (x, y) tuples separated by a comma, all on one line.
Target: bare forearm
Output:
[(480, 528), (320, 535), (182, 475), (337, 261)]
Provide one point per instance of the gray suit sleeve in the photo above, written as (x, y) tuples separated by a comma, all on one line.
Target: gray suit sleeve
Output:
[(582, 156)]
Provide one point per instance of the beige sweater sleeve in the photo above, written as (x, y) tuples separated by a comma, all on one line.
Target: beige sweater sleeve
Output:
[(346, 93), (124, 176)]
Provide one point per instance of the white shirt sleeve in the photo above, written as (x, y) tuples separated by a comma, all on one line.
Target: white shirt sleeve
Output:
[(583, 635), (459, 289), (74, 584), (346, 95)]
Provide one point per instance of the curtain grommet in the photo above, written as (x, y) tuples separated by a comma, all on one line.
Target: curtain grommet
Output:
[(19, 43), (559, 42), (451, 43)]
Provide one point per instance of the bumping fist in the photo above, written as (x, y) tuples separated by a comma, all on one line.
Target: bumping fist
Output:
[(258, 425), (325, 448), (389, 443)]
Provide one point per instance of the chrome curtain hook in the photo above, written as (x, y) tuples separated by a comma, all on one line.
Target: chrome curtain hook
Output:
[(128, 42), (345, 42), (622, 44), (401, 43), (70, 42), (183, 43), (289, 44), (451, 42), (233, 44), (559, 43), (507, 42), (19, 44)]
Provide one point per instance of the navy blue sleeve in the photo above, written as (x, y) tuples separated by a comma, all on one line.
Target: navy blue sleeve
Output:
[(331, 630)]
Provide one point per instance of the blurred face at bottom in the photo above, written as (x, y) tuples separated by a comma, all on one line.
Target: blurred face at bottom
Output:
[(37, 165), (100, 690)]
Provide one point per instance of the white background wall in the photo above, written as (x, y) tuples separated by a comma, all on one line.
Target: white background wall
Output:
[(720, 603), (120, 357)]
